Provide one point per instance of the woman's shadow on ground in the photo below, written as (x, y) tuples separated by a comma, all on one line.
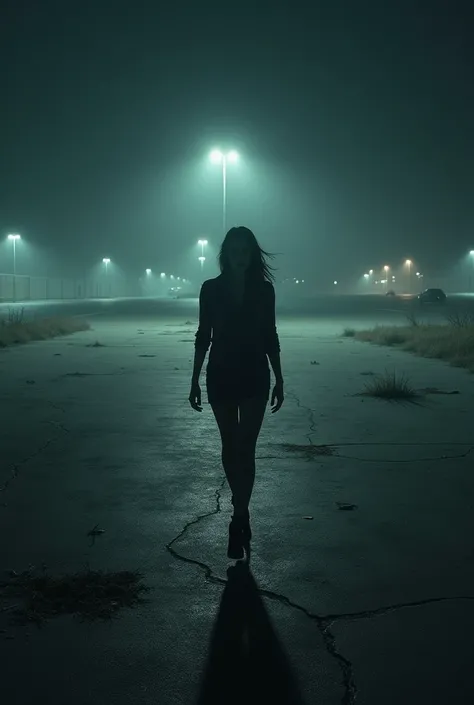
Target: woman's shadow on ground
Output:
[(246, 662)]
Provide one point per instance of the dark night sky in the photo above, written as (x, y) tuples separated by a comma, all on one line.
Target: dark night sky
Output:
[(354, 120)]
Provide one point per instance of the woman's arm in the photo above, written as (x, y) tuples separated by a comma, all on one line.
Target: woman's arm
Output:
[(272, 343), (203, 335)]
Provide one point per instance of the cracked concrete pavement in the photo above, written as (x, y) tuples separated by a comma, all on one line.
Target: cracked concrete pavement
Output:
[(371, 605)]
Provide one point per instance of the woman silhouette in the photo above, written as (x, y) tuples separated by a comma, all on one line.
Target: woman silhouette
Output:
[(237, 311)]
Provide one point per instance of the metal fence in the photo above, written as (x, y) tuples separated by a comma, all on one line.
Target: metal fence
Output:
[(23, 287)]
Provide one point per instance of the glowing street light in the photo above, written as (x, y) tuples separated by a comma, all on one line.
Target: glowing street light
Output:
[(13, 239), (162, 275), (218, 157), (148, 272)]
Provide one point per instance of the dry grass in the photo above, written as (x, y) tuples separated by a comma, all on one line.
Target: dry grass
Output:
[(391, 387), (451, 343), (90, 595), (14, 329)]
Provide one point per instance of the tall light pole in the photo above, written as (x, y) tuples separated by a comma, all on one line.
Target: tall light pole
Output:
[(386, 269), (13, 239), (409, 264), (202, 259), (203, 243), (106, 261), (218, 157)]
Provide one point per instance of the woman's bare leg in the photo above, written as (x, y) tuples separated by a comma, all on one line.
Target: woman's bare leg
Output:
[(227, 418), (251, 413)]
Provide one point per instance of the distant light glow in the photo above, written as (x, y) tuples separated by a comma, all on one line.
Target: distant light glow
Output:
[(408, 262), (14, 237), (216, 156), (366, 276), (371, 271), (201, 259), (148, 271), (162, 275), (202, 242), (106, 260), (471, 252), (335, 282)]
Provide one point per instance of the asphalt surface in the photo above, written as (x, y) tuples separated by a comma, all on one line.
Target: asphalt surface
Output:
[(372, 603)]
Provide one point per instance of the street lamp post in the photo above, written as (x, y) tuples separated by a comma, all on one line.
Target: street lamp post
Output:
[(409, 264), (106, 261), (13, 239), (386, 269), (218, 157), (202, 259)]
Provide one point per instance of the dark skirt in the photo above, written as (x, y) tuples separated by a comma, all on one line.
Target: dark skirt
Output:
[(225, 384)]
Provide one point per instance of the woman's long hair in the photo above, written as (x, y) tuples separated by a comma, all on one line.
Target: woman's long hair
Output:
[(259, 269)]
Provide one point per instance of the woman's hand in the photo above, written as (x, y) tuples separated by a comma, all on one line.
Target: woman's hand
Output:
[(195, 396), (277, 395)]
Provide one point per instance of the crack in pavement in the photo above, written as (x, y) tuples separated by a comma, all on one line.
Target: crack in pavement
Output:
[(16, 467), (312, 427), (323, 622), (14, 472), (350, 690)]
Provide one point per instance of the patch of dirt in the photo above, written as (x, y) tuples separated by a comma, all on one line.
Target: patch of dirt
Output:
[(309, 451), (89, 595)]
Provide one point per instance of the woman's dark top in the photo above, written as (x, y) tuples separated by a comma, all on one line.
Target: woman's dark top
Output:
[(241, 336)]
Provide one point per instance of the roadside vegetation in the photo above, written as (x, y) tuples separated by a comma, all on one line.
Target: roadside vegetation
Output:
[(452, 341), (16, 329), (390, 386)]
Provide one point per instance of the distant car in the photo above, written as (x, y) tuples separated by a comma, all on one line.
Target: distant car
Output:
[(174, 292), (390, 293), (432, 296)]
